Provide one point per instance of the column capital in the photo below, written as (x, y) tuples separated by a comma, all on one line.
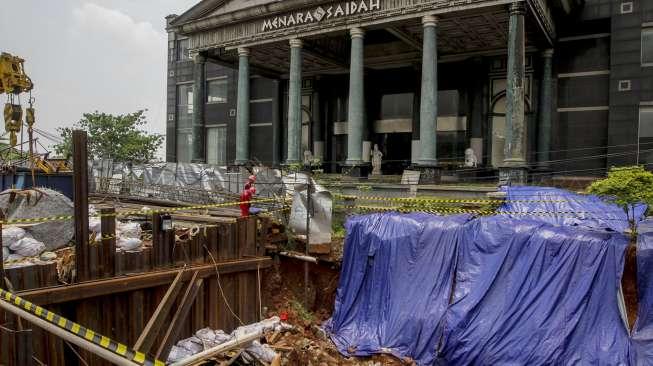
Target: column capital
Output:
[(243, 51), (548, 53), (296, 43), (430, 21), (517, 8), (357, 32)]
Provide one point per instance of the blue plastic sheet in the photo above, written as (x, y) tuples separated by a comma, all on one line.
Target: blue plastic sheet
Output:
[(395, 284), (529, 293), (571, 209), (642, 335)]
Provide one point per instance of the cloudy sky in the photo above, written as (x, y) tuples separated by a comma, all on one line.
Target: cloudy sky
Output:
[(87, 55)]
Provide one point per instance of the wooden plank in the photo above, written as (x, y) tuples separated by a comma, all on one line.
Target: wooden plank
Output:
[(146, 340), (80, 189), (90, 289), (180, 316)]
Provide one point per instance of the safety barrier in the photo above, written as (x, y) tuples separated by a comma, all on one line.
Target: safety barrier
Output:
[(80, 331)]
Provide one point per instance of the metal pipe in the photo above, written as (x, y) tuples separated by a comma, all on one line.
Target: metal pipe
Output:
[(304, 258), (224, 347), (65, 335)]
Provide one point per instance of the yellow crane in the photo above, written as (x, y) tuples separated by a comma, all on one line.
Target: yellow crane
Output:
[(14, 82)]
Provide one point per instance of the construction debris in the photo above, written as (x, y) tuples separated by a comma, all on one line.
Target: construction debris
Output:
[(207, 342)]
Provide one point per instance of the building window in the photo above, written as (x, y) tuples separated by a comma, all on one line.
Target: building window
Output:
[(184, 145), (394, 106), (216, 145), (624, 85), (184, 105), (645, 142), (216, 91), (182, 49), (627, 7), (448, 102), (647, 46), (340, 113)]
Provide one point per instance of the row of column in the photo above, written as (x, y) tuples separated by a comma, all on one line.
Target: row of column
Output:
[(515, 123)]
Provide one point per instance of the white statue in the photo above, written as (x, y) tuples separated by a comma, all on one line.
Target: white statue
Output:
[(470, 158), (377, 155), (308, 157)]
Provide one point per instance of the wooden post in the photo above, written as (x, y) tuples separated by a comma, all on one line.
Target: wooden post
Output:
[(80, 188), (108, 251), (2, 264)]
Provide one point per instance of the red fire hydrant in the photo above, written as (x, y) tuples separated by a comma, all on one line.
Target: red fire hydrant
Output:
[(246, 196)]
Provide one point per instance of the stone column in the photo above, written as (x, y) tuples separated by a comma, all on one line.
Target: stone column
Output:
[(318, 125), (515, 125), (475, 112), (356, 112), (242, 112), (199, 102), (277, 135), (428, 109), (295, 103), (544, 126)]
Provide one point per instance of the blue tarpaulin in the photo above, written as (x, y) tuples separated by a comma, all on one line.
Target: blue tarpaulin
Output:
[(395, 284), (529, 293), (509, 289), (643, 331), (561, 207)]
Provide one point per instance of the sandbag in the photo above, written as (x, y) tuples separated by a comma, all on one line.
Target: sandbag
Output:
[(14, 258), (11, 235), (28, 247), (95, 226), (129, 230), (129, 244)]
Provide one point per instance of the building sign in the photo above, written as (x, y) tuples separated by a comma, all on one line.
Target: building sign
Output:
[(321, 13)]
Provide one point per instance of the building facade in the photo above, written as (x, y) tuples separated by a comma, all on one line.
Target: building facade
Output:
[(562, 86)]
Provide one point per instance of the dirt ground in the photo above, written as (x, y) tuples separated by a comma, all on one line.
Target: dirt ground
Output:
[(307, 344)]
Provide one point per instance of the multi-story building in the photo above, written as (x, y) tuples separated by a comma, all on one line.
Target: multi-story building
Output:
[(550, 85)]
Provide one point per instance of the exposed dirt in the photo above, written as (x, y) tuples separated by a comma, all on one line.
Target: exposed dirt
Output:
[(307, 344)]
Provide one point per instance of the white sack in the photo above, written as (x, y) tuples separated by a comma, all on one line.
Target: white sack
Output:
[(128, 244), (28, 247), (11, 235)]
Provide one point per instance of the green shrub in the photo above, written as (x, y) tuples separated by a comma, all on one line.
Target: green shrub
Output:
[(625, 187)]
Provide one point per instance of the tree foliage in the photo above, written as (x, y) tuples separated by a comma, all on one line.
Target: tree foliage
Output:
[(626, 186), (120, 137)]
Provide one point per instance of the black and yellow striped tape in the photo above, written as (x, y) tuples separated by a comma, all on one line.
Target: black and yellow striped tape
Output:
[(130, 213), (437, 200), (78, 330), (465, 211)]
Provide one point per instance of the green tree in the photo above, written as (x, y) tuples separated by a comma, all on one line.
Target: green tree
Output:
[(120, 137), (626, 186)]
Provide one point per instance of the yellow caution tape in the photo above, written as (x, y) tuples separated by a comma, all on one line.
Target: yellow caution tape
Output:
[(130, 213), (435, 200), (465, 211), (80, 331)]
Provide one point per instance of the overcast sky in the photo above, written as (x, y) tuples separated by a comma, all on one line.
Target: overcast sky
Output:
[(87, 55)]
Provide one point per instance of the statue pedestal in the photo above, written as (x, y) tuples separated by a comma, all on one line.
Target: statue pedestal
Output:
[(356, 170), (429, 174), (513, 175)]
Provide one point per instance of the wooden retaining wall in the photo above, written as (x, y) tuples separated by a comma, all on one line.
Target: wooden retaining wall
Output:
[(124, 290)]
